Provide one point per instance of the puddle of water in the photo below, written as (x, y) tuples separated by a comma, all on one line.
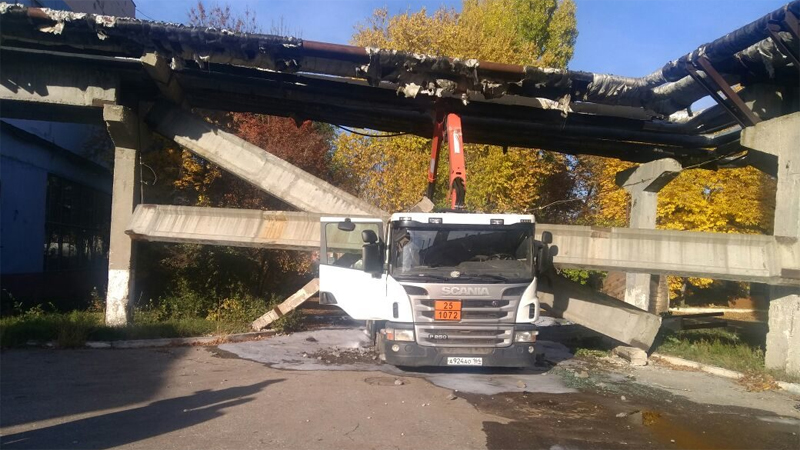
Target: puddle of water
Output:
[(286, 352)]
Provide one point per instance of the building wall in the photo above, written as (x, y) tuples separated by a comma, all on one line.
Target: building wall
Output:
[(21, 225), (28, 165), (54, 201)]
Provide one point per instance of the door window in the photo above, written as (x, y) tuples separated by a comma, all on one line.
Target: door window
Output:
[(343, 248)]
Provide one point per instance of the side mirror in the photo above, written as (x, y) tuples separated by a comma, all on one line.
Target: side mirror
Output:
[(372, 256), (347, 225), (547, 237), (369, 237)]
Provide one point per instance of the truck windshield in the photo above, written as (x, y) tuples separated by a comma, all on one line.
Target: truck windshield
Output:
[(463, 252)]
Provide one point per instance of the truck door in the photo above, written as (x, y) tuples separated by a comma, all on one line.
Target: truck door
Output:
[(342, 280)]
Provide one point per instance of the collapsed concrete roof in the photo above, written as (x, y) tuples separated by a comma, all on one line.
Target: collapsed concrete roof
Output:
[(637, 119)]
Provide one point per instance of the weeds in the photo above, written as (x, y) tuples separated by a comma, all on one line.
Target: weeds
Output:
[(724, 348), (717, 347)]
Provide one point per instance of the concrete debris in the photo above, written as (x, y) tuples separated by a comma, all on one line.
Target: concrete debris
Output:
[(398, 382), (521, 384), (295, 300), (582, 374), (635, 356), (622, 397), (452, 396), (622, 414)]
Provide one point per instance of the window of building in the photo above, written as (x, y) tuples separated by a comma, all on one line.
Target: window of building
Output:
[(77, 222)]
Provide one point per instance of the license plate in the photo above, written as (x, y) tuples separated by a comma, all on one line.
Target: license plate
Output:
[(447, 310), (460, 361)]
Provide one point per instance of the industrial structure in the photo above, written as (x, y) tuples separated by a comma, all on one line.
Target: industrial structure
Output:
[(57, 197), (141, 77)]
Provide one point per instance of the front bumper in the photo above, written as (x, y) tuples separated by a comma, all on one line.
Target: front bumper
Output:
[(411, 354)]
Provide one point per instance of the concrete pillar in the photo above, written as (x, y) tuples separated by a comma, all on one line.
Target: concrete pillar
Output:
[(775, 148), (125, 129), (643, 183)]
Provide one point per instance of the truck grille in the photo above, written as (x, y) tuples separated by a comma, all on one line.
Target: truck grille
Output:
[(464, 336), (472, 311)]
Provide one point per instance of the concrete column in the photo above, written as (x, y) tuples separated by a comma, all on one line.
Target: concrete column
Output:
[(125, 129), (643, 183), (775, 148)]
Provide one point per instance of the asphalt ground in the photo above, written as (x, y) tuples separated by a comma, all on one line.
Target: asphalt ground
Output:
[(328, 392)]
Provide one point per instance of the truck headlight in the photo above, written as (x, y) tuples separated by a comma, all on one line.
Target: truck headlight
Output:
[(525, 336), (393, 334)]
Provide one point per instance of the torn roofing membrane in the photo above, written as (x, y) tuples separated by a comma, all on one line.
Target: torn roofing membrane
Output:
[(746, 55)]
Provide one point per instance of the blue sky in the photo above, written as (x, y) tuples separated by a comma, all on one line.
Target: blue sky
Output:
[(623, 37)]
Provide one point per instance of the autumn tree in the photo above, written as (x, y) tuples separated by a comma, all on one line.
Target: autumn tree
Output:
[(740, 200), (390, 172)]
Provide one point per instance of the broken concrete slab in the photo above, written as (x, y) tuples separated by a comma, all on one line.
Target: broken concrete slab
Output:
[(635, 356), (288, 305), (598, 312)]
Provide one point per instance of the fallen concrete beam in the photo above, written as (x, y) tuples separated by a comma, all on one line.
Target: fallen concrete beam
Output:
[(737, 257), (599, 312), (754, 258), (221, 226), (290, 304), (255, 165)]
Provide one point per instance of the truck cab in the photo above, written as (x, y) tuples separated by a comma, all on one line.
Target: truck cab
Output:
[(438, 289)]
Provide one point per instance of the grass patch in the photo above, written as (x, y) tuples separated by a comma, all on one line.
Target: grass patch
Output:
[(715, 346), (71, 330), (722, 348)]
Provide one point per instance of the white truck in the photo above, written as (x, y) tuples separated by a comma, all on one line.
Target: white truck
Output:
[(438, 289)]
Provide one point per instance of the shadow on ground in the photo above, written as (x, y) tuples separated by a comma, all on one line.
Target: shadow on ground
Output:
[(34, 384), (132, 425)]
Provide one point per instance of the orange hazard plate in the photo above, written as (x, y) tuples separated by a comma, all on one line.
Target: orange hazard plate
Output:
[(447, 310)]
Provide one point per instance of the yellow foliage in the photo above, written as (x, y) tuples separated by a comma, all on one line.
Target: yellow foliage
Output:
[(738, 200), (608, 203), (509, 31), (723, 201), (391, 171)]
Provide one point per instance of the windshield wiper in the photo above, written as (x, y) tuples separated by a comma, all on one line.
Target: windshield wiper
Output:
[(485, 275), (422, 275)]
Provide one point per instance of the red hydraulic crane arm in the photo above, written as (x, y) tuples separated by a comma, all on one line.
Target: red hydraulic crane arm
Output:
[(458, 167)]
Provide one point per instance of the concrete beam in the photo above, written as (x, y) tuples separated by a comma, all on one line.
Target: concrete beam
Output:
[(124, 126), (775, 143), (722, 256), (67, 85), (716, 255), (290, 304), (598, 312), (222, 226), (255, 165)]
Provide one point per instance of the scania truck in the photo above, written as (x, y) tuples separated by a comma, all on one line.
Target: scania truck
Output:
[(438, 289)]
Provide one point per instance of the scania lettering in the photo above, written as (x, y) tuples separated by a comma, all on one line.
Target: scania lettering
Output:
[(437, 289)]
